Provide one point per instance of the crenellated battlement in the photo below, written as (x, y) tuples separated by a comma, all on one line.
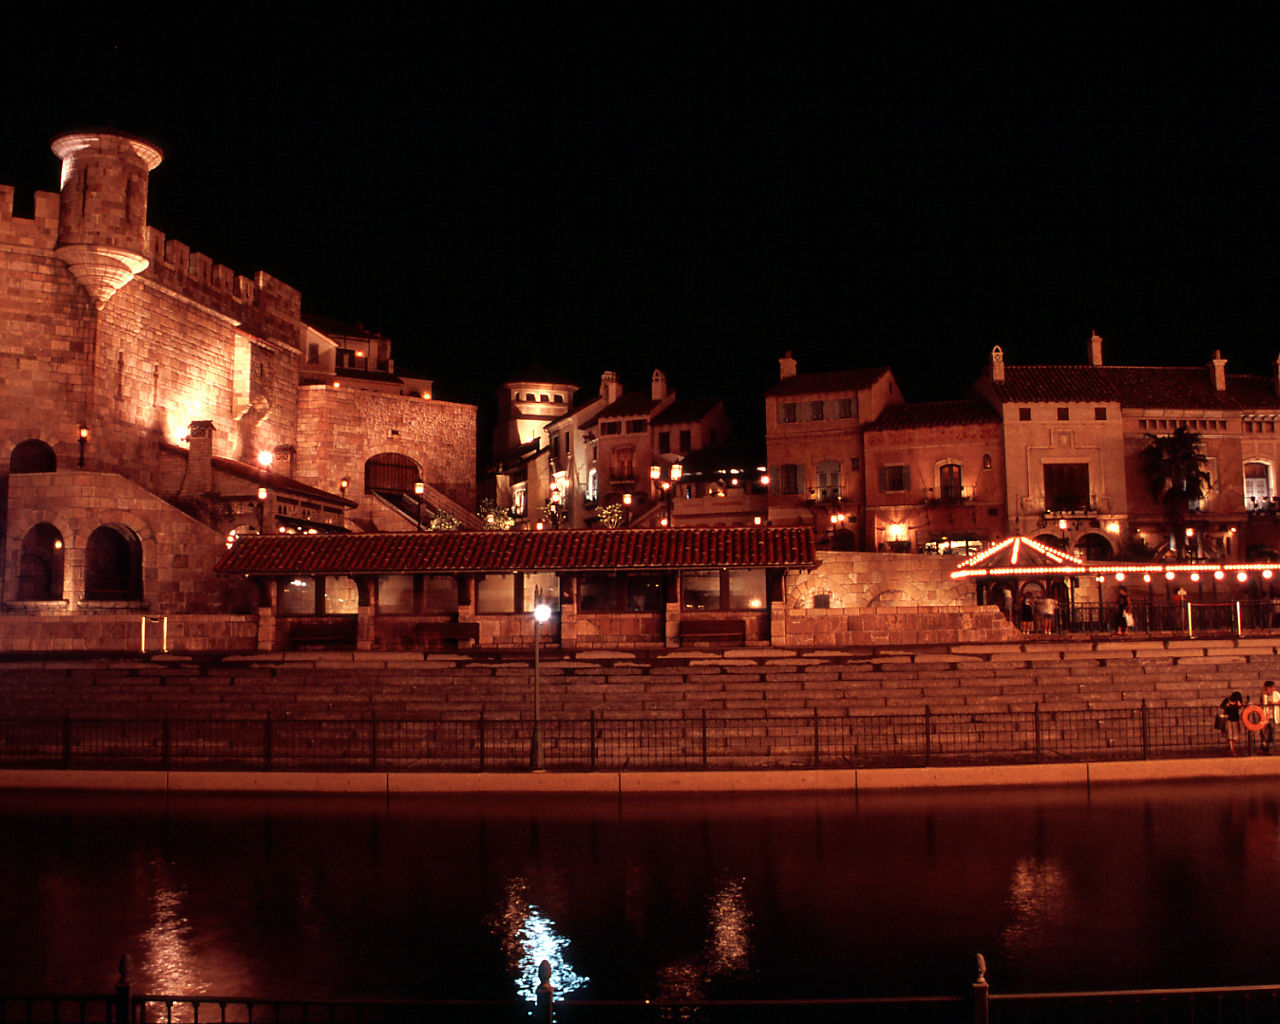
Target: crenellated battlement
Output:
[(39, 231)]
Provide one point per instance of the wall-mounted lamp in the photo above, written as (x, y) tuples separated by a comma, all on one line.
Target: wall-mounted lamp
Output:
[(84, 439), (418, 488), (342, 486), (262, 509)]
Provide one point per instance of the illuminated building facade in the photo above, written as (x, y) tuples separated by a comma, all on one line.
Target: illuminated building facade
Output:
[(157, 402)]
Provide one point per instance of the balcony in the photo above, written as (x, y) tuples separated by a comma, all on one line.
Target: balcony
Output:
[(948, 495)]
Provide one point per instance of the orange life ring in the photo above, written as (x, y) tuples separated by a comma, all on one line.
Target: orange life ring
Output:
[(1253, 717)]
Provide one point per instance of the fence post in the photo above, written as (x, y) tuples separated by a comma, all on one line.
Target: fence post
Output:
[(482, 739), (928, 735), (266, 740), (124, 994), (164, 742), (593, 738), (66, 740), (373, 739), (1146, 738), (1037, 727), (981, 993), (817, 740), (545, 994), (704, 737)]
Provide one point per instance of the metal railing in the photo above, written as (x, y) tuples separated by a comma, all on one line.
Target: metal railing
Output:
[(1256, 1004), (1226, 618), (922, 737)]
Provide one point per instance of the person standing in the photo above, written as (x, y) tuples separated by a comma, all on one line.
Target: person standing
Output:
[(1123, 615), (1271, 708), (1230, 709)]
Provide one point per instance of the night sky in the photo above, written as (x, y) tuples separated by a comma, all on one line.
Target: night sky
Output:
[(699, 189)]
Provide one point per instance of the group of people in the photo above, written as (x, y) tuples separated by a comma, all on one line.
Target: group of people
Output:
[(1232, 709)]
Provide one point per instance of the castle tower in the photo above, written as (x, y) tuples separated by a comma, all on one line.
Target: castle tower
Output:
[(102, 212)]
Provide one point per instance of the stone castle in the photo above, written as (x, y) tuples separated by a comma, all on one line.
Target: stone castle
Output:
[(159, 403)]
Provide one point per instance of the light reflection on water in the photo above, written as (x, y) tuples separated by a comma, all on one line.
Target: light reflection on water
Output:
[(681, 897)]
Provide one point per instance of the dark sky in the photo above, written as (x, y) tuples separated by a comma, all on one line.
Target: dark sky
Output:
[(700, 190)]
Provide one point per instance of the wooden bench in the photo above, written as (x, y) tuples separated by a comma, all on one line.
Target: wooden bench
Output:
[(323, 632), (714, 631), (433, 635)]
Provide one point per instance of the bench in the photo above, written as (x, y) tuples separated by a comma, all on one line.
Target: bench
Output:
[(433, 635), (713, 631), (323, 632)]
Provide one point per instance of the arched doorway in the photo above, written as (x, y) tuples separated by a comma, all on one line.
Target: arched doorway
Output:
[(32, 456), (1094, 547), (113, 565), (391, 472), (40, 564)]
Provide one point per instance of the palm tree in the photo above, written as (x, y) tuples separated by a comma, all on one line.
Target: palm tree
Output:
[(1175, 467)]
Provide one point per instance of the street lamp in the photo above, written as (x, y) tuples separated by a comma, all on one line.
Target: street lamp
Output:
[(541, 615), (417, 493)]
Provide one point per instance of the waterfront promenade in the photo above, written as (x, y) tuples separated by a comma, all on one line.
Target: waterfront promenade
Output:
[(1072, 691)]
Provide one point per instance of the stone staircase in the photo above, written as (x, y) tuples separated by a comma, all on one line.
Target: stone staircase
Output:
[(748, 683)]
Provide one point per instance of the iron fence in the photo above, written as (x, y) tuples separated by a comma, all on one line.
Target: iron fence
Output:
[(921, 737), (1195, 616)]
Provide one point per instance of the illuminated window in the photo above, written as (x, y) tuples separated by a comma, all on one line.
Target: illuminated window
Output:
[(593, 485), (623, 466), (1257, 484), (828, 481)]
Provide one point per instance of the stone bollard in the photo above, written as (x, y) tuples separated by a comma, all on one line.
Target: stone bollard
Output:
[(124, 994), (981, 993), (543, 1013)]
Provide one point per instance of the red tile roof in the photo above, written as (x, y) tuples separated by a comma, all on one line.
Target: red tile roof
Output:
[(1135, 387), (524, 550), (935, 414), (824, 383)]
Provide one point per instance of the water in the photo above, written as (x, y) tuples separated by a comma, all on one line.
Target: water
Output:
[(666, 897)]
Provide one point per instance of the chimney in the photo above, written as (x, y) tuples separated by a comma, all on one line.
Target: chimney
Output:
[(1218, 368), (786, 367), (658, 390), (610, 389), (1095, 349), (199, 478), (283, 456), (997, 365)]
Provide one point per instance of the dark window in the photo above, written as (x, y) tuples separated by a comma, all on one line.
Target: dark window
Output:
[(986, 460), (40, 565), (790, 480), (787, 411), (611, 427), (822, 600), (855, 463), (623, 467), (949, 485), (1064, 413), (844, 408), (637, 426), (893, 478), (113, 566), (815, 411), (1100, 413), (391, 471), (555, 447), (1066, 486), (32, 456), (313, 353), (1024, 414), (828, 481), (686, 440), (664, 441)]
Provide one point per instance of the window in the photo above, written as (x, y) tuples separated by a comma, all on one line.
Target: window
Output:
[(787, 412), (298, 597), (950, 487), (612, 592), (113, 566), (1257, 484), (496, 594), (686, 440), (541, 586), (341, 596), (519, 499), (593, 485), (623, 467), (1024, 414), (40, 564), (313, 353), (637, 426), (789, 482), (855, 463), (611, 427), (844, 408), (32, 456), (664, 441), (893, 478), (542, 398), (815, 411), (986, 460), (724, 590), (555, 447), (1100, 413), (1064, 413), (822, 600), (1066, 486), (828, 481)]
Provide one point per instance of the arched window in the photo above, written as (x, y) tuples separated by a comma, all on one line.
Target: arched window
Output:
[(113, 565), (391, 471), (32, 456), (1257, 484), (1094, 547), (40, 565)]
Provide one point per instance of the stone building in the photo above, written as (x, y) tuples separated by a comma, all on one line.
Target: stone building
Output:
[(157, 402)]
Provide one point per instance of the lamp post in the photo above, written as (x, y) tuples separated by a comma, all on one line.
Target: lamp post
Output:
[(262, 509), (541, 614), (417, 493)]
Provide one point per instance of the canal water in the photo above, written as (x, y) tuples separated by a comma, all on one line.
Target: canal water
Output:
[(683, 897)]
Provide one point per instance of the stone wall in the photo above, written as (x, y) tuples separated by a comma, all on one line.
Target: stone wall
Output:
[(119, 631)]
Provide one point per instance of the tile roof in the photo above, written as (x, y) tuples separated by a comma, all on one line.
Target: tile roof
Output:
[(257, 477), (523, 550), (822, 383), (935, 414), (633, 403), (686, 410), (1142, 387)]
